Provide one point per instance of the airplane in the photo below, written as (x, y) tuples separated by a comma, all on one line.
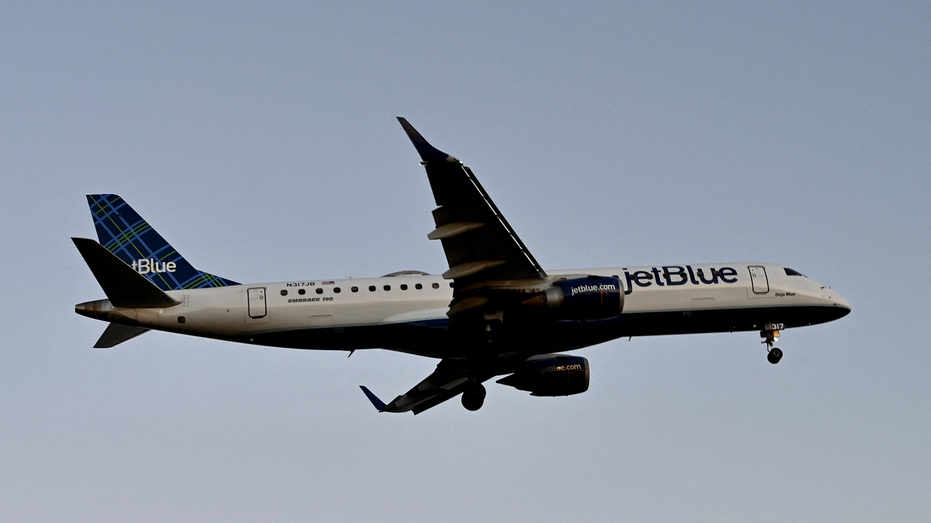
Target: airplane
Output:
[(494, 312)]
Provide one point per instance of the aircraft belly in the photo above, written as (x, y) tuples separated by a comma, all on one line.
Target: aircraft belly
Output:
[(426, 338), (655, 323)]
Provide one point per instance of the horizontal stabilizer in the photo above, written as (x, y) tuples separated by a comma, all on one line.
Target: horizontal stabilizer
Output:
[(123, 286), (116, 334)]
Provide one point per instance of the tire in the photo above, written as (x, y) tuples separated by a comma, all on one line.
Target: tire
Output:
[(473, 397), (774, 355)]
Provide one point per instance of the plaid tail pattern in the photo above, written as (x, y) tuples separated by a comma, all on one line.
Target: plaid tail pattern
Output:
[(124, 233)]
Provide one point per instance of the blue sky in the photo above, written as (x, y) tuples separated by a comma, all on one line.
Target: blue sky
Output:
[(262, 142)]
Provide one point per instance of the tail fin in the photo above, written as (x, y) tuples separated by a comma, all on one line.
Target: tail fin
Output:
[(123, 232)]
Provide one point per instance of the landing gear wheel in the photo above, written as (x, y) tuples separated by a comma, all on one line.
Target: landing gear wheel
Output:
[(775, 354), (473, 397)]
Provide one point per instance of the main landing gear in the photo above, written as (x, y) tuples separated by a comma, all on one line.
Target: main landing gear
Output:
[(770, 336), (473, 397)]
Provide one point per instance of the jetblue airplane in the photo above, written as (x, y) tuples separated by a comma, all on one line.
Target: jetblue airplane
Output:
[(495, 312)]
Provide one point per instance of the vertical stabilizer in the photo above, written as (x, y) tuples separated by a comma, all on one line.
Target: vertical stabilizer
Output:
[(122, 231)]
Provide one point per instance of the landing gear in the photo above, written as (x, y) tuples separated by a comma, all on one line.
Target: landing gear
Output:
[(770, 335), (775, 354), (473, 397)]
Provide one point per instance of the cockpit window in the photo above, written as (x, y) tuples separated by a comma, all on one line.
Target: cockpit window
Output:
[(793, 272)]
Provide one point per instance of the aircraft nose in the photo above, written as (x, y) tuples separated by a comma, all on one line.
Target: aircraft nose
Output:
[(837, 300)]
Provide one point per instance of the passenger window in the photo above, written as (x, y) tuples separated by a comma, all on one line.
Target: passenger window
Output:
[(284, 292), (387, 287), (336, 290), (371, 288), (355, 289), (403, 286), (418, 286), (319, 290), (301, 291), (436, 285)]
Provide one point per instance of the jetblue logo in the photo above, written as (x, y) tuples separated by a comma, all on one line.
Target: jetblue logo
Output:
[(153, 266), (674, 275)]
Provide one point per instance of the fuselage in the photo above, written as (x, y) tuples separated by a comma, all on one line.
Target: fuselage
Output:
[(408, 312)]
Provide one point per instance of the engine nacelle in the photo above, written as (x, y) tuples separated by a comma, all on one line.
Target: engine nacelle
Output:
[(557, 375), (588, 299)]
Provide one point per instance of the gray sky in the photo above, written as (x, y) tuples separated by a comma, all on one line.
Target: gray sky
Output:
[(261, 141)]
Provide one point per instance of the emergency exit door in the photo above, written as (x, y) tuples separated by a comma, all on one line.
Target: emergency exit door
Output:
[(257, 307)]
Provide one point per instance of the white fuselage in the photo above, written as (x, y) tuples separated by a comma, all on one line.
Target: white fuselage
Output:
[(408, 313)]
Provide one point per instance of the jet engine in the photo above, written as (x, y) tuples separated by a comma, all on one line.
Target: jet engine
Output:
[(590, 298), (552, 375)]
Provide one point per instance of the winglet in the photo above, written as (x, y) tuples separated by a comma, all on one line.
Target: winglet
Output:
[(427, 152), (379, 404)]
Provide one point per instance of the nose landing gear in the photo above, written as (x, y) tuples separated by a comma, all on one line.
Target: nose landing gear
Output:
[(774, 355), (770, 336)]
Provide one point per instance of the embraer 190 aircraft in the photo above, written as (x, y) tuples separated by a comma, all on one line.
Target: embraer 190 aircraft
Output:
[(495, 312)]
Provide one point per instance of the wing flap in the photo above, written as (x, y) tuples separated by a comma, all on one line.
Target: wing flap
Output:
[(471, 267), (453, 229)]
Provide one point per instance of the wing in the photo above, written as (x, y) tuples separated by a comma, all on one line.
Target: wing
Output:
[(486, 261), (450, 378), (480, 245)]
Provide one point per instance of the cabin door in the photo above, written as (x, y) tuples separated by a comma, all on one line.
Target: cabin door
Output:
[(758, 279)]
